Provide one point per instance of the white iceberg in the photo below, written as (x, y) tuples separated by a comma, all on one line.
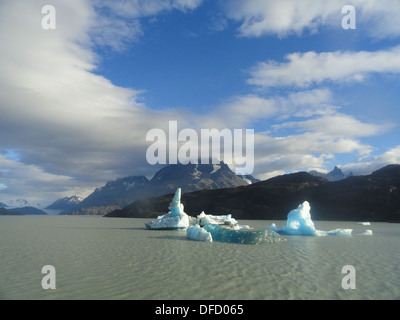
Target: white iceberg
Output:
[(364, 223), (176, 218), (198, 233), (227, 220), (299, 223)]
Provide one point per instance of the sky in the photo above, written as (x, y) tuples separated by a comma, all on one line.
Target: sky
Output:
[(77, 101)]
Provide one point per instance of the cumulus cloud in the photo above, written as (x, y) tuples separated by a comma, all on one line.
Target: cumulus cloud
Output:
[(378, 18), (247, 109), (338, 125), (66, 122), (303, 150), (302, 129), (310, 68), (368, 165), (19, 179)]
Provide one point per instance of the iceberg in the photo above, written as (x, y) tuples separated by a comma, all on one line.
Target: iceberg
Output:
[(198, 233), (227, 220), (176, 218), (299, 223), (224, 228), (242, 236)]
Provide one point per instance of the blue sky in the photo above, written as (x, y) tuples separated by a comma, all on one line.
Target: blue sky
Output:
[(77, 101)]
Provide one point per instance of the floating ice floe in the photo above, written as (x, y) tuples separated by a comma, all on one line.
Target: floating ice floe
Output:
[(299, 223), (226, 229), (367, 233), (364, 223), (176, 218)]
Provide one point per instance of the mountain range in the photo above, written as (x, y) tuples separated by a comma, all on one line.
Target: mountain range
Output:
[(18, 203), (335, 175), (67, 203), (119, 193), (374, 197), (27, 210), (20, 207)]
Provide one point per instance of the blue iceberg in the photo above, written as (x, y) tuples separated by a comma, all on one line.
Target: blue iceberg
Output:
[(299, 223), (224, 228), (243, 236), (176, 218)]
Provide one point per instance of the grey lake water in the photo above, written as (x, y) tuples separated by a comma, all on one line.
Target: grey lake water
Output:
[(115, 258)]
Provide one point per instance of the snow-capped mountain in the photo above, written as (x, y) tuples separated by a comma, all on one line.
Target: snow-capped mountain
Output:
[(335, 175), (115, 193), (192, 177), (66, 203), (189, 177), (19, 203)]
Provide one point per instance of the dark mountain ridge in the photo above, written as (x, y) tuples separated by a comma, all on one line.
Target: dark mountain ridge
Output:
[(31, 211), (5, 212), (374, 197), (190, 177), (67, 203)]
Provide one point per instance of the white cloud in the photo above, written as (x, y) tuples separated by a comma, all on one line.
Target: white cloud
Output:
[(337, 125), (367, 166), (26, 180), (310, 68), (377, 18), (118, 22), (302, 129), (65, 121), (145, 8), (302, 151), (241, 111)]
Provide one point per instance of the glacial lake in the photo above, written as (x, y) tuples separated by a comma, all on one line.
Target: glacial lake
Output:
[(115, 258)]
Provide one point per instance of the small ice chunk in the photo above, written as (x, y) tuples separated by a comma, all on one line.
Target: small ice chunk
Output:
[(336, 232), (367, 233), (364, 223), (198, 233), (205, 219), (227, 220)]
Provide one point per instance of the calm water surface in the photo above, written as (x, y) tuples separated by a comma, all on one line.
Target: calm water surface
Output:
[(113, 258)]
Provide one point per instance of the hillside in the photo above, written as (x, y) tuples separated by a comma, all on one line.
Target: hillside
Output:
[(67, 203), (375, 197), (5, 212)]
